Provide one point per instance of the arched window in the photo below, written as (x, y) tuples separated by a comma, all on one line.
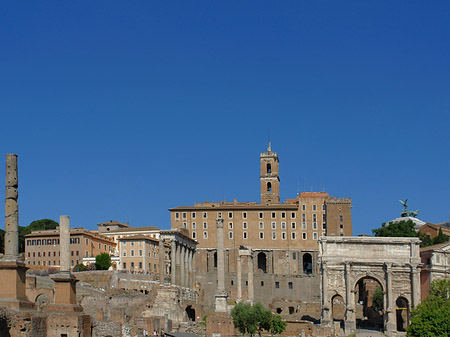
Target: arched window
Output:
[(307, 264), (269, 187), (262, 262), (269, 168)]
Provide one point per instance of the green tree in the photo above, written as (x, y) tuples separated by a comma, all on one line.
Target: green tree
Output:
[(103, 261), (396, 229), (440, 238), (431, 317), (377, 299), (251, 319), (36, 225)]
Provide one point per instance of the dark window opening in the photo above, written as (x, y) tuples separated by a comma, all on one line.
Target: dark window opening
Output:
[(307, 264), (269, 187), (291, 310), (215, 260), (277, 284), (262, 262), (291, 285), (262, 283), (269, 168), (279, 311), (190, 313)]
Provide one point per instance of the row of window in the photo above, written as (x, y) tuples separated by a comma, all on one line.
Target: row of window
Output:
[(132, 266), (261, 235), (261, 225), (124, 253), (54, 242), (273, 215), (73, 262)]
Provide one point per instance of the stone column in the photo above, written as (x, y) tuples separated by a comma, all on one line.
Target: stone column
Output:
[(11, 209), (162, 257), (415, 286), (326, 319), (186, 266), (12, 268), (178, 266), (173, 262), (221, 295), (250, 290), (64, 242), (191, 273), (182, 266), (350, 319), (239, 278), (390, 307)]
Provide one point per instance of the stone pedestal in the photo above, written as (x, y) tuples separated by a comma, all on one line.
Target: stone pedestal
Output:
[(220, 323), (12, 288), (221, 304), (65, 293)]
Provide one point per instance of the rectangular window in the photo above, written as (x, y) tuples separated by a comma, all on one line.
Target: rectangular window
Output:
[(140, 265), (283, 235), (140, 252), (341, 217), (177, 215), (244, 215), (315, 236), (86, 254), (293, 215), (261, 225), (324, 217), (124, 265), (274, 235), (194, 225), (303, 225), (230, 215), (314, 217), (230, 235), (184, 215), (244, 235), (230, 225), (293, 235), (315, 225), (124, 253), (184, 224), (274, 225), (194, 235), (193, 215), (324, 226), (304, 237), (303, 217), (219, 215), (244, 225), (124, 243), (204, 215), (294, 256), (314, 207), (132, 243), (283, 215), (341, 226), (303, 207), (293, 225), (261, 235), (205, 225), (283, 225), (132, 252), (291, 285), (132, 265), (261, 215), (324, 207), (277, 284), (274, 215), (205, 235)]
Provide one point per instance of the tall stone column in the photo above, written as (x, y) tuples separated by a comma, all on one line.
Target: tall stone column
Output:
[(64, 241), (350, 319), (390, 308), (239, 278), (221, 295), (191, 279), (178, 266), (182, 266), (173, 262), (250, 289), (162, 256), (326, 319), (12, 268), (11, 209), (415, 285)]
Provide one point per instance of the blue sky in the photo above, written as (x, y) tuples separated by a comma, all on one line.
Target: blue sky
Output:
[(121, 110)]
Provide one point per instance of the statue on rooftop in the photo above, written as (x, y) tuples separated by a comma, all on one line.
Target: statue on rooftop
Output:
[(407, 213)]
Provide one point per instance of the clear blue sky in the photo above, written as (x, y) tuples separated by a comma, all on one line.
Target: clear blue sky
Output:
[(121, 110)]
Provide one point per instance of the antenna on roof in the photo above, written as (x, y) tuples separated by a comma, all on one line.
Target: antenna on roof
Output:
[(298, 188), (268, 140)]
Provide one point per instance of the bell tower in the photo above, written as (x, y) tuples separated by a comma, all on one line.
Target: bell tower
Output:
[(270, 180)]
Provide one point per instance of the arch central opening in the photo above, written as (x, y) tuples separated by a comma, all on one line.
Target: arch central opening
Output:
[(369, 305)]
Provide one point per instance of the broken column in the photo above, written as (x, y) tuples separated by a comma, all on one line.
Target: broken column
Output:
[(65, 282), (221, 295), (12, 267)]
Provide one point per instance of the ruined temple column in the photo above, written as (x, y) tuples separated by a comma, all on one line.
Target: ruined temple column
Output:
[(11, 209), (350, 319), (221, 295), (162, 257), (186, 267), (12, 268), (178, 266), (239, 278), (64, 241), (182, 265), (250, 290), (191, 273), (390, 308), (173, 261)]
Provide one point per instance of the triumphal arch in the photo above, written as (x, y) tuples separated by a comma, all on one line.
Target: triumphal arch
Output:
[(369, 281)]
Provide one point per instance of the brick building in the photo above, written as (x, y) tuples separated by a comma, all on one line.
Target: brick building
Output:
[(42, 247), (277, 241), (139, 253)]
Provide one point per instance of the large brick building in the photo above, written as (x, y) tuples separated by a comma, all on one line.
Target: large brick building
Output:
[(280, 237)]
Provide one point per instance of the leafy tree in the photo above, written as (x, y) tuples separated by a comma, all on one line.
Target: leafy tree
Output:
[(36, 225), (80, 267), (396, 229), (440, 238), (377, 299), (251, 319), (431, 317), (103, 261)]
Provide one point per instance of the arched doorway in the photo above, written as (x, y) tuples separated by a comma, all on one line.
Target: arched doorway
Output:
[(262, 262), (42, 301), (338, 309), (307, 264), (402, 313), (369, 306), (190, 313)]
